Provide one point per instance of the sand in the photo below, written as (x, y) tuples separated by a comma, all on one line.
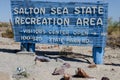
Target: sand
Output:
[(9, 61)]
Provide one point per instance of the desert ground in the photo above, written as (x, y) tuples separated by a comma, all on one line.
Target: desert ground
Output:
[(10, 61)]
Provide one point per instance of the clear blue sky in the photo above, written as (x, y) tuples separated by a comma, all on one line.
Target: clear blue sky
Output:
[(114, 8)]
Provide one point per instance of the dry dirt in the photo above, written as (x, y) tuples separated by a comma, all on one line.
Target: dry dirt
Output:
[(9, 61)]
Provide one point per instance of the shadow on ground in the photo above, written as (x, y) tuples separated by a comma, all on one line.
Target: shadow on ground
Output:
[(78, 57), (74, 57), (12, 51), (112, 64)]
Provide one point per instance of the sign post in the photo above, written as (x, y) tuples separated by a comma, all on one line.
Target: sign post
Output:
[(29, 47), (98, 55), (63, 23)]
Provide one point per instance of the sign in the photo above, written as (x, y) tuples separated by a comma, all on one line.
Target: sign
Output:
[(65, 23)]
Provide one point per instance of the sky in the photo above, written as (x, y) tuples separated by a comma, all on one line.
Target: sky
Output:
[(113, 8)]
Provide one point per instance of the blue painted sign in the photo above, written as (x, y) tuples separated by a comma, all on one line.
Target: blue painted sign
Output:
[(65, 23)]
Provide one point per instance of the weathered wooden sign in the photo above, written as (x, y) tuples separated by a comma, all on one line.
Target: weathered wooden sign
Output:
[(65, 23)]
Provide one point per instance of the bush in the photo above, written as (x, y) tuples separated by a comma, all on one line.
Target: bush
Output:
[(8, 34), (24, 74), (113, 34), (4, 24)]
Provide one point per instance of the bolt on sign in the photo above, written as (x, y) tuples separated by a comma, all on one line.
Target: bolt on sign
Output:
[(64, 23)]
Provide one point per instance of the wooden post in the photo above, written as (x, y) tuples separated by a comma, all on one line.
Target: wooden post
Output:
[(24, 46), (29, 47), (98, 55), (98, 52)]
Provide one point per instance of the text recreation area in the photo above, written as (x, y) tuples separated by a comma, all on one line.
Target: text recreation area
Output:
[(59, 11)]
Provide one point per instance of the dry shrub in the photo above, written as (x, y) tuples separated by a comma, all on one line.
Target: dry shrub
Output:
[(113, 34), (4, 24), (114, 38), (8, 34)]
